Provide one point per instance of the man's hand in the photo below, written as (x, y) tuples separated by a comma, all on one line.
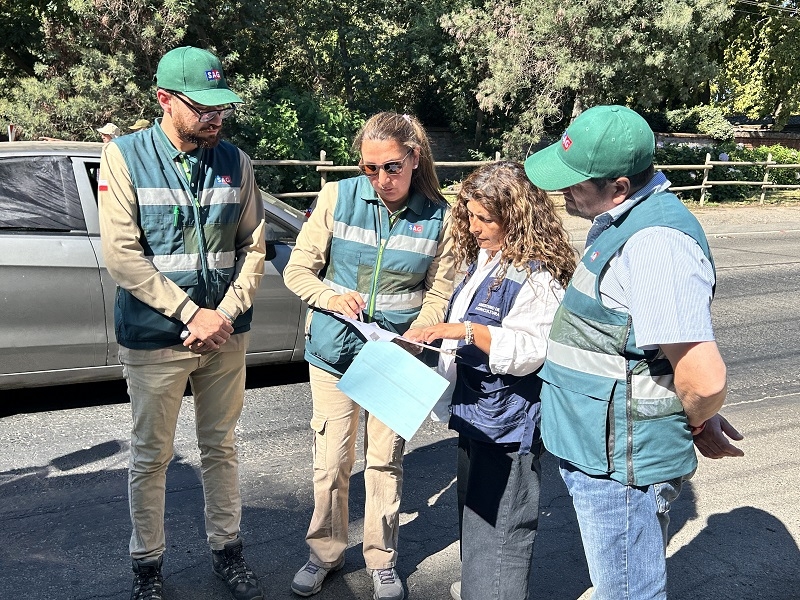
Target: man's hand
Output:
[(208, 330), (713, 441)]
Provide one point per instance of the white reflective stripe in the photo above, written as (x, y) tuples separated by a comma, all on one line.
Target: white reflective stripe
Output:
[(191, 262), (584, 280), (221, 260), (385, 302), (176, 262), (652, 388), (593, 363), (412, 244), (220, 195), (162, 197), (351, 233)]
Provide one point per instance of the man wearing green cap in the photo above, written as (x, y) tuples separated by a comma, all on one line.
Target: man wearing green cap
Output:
[(182, 228), (633, 378)]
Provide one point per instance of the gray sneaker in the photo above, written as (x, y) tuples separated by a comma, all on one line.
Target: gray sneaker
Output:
[(308, 580), (455, 590), (387, 585)]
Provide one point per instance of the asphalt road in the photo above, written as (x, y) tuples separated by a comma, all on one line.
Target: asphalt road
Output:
[(735, 529)]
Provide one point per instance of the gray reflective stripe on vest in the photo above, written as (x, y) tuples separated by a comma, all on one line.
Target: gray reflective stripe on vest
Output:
[(352, 233), (592, 363), (191, 262), (650, 387), (584, 281), (162, 197), (412, 244), (220, 195), (384, 302)]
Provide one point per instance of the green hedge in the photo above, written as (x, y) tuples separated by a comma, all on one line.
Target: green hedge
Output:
[(684, 154)]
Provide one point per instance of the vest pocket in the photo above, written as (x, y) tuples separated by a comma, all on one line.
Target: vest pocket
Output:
[(331, 340), (577, 425)]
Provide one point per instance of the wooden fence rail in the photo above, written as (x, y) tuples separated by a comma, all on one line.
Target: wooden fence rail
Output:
[(324, 166)]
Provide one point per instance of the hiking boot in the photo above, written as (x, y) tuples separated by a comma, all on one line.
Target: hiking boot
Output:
[(230, 566), (308, 580), (387, 585), (455, 590), (147, 579)]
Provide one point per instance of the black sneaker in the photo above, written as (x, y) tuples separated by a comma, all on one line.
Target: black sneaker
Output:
[(147, 579), (230, 566)]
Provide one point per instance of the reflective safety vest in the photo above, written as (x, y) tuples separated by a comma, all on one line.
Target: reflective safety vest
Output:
[(384, 258), (189, 234), (609, 407)]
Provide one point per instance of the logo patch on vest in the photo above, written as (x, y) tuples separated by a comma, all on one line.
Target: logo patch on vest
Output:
[(595, 254), (488, 309), (102, 185), (224, 179), (414, 228)]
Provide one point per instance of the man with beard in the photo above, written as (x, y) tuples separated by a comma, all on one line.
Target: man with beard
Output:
[(183, 237)]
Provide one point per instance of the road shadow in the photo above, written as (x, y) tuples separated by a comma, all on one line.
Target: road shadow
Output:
[(102, 393), (746, 554)]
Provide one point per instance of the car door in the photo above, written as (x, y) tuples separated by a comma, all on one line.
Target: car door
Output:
[(51, 301), (276, 329)]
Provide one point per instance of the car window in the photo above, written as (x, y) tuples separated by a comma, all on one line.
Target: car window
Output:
[(278, 231), (39, 193)]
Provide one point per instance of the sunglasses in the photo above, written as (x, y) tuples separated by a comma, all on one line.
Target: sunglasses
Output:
[(393, 167), (205, 116)]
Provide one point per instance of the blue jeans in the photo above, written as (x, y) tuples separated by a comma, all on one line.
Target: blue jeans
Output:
[(498, 501), (624, 533)]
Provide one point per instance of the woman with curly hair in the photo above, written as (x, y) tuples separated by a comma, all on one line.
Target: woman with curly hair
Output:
[(518, 261)]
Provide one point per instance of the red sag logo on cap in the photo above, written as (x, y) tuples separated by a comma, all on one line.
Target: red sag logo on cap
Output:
[(213, 74), (565, 141)]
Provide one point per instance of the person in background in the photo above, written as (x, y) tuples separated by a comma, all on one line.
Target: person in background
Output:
[(376, 247), (139, 125), (108, 132), (633, 379), (182, 227), (519, 260)]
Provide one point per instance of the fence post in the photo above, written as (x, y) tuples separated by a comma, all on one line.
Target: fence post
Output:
[(497, 156), (706, 171), (322, 179), (766, 177)]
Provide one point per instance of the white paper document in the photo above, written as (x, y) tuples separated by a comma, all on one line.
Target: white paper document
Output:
[(394, 386), (373, 332)]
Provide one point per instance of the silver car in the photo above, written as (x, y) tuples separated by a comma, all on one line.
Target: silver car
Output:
[(56, 298)]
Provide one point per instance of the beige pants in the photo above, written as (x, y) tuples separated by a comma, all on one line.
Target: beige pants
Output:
[(156, 391), (334, 421)]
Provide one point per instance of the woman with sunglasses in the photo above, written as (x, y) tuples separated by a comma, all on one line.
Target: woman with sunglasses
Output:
[(519, 262), (376, 247)]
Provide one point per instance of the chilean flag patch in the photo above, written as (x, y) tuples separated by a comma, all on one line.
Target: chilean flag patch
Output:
[(102, 185)]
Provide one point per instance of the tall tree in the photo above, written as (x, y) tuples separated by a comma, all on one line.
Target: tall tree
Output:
[(544, 61), (761, 77)]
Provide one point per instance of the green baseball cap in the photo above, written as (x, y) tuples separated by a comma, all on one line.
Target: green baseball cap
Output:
[(604, 141), (197, 74)]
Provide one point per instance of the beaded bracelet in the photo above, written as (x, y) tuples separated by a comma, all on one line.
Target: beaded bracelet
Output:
[(468, 336)]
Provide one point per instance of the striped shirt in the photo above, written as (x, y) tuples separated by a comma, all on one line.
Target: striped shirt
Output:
[(662, 279)]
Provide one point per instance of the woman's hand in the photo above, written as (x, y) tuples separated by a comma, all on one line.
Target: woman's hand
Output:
[(440, 331), (350, 304)]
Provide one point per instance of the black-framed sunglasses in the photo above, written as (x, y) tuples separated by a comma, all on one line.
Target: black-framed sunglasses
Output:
[(393, 167), (206, 116)]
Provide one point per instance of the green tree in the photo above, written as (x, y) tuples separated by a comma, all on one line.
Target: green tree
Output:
[(761, 77), (544, 61)]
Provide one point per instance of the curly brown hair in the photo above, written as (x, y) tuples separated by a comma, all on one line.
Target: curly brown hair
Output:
[(533, 230)]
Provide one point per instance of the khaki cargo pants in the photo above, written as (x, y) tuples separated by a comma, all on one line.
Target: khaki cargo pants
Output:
[(335, 421)]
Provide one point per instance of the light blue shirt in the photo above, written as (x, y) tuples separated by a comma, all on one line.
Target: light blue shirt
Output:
[(662, 279)]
